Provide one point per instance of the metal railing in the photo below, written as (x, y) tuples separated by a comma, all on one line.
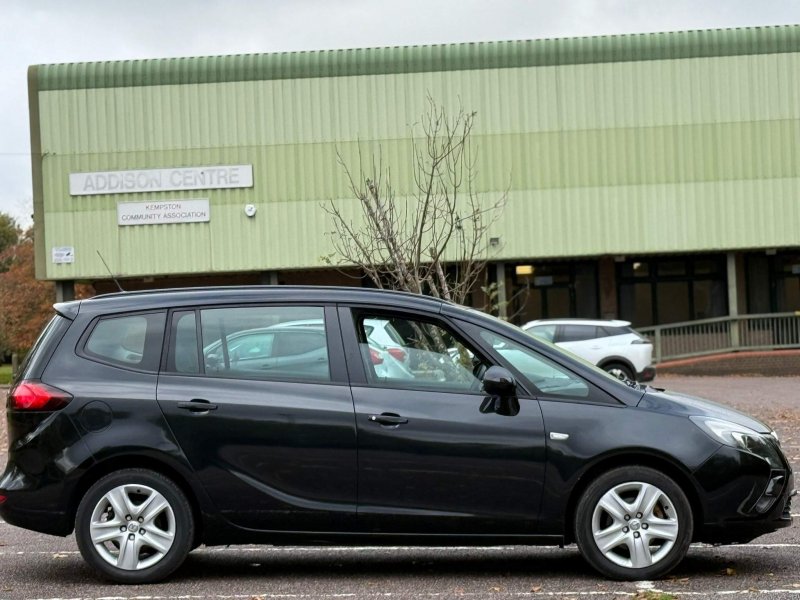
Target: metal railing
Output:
[(724, 334)]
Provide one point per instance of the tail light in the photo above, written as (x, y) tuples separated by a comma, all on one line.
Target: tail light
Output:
[(375, 357), (2, 499), (35, 395), (642, 341), (397, 353)]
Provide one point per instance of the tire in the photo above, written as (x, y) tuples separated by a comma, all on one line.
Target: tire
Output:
[(152, 510), (601, 519), (619, 370)]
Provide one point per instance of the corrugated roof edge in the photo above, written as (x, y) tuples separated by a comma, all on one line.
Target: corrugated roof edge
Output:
[(416, 59)]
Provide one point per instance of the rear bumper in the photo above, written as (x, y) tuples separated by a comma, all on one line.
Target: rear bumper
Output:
[(33, 506), (647, 374), (49, 521)]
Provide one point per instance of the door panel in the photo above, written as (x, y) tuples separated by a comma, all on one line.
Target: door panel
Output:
[(429, 460), (450, 468), (275, 448), (271, 455)]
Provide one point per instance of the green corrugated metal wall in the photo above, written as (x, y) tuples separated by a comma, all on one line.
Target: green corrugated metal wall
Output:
[(652, 154)]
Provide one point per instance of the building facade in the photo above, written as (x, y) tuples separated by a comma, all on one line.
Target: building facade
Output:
[(652, 177)]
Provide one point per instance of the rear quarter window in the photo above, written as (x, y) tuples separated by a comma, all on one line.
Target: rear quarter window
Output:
[(612, 331), (132, 341)]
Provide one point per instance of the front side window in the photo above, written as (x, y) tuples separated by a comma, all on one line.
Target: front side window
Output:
[(132, 341), (543, 332), (265, 342), (549, 378), (410, 353)]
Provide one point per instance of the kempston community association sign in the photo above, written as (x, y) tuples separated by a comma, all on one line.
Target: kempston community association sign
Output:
[(161, 180), (195, 210)]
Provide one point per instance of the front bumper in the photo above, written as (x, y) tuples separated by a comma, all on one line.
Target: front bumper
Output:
[(744, 498)]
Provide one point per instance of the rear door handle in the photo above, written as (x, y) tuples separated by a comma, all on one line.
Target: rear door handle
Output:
[(388, 419), (197, 406)]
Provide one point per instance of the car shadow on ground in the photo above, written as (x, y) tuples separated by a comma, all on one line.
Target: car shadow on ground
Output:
[(367, 566)]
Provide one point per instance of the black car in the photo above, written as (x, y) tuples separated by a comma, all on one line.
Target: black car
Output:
[(150, 423)]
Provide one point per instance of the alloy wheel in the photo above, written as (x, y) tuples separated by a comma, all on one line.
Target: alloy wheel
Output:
[(132, 527), (635, 525)]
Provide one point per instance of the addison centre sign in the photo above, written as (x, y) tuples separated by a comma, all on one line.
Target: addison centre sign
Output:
[(161, 180)]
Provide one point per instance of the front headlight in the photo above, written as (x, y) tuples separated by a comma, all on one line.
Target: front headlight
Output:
[(739, 436)]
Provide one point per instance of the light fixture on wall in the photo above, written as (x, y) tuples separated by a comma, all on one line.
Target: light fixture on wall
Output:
[(524, 270)]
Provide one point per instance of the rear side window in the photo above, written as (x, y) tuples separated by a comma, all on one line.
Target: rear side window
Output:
[(577, 333), (183, 355), (132, 341), (263, 342)]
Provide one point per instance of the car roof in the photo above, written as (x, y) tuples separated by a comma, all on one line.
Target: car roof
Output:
[(186, 297), (595, 322)]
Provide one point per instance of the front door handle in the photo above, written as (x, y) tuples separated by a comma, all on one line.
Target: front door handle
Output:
[(197, 406), (388, 419)]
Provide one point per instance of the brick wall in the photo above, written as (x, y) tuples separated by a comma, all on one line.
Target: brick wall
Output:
[(773, 363)]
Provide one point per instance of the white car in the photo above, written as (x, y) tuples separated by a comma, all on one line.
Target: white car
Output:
[(611, 345)]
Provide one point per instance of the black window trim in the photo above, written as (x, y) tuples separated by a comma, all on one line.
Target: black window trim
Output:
[(80, 347)]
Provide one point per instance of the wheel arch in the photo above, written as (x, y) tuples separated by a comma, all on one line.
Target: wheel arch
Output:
[(610, 360), (643, 458), (116, 463)]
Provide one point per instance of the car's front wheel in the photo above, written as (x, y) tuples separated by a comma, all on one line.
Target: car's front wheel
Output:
[(633, 523), (134, 526)]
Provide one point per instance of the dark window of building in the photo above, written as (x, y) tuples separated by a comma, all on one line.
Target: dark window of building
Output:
[(773, 282), (655, 291), (552, 290)]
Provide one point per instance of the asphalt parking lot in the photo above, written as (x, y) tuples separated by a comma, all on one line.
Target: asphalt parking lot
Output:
[(37, 566)]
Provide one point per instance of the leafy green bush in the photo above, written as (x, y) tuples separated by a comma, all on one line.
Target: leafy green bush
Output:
[(5, 374)]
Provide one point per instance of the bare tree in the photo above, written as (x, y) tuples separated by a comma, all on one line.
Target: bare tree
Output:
[(434, 241)]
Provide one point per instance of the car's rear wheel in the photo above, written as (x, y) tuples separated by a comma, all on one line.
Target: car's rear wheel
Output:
[(620, 371), (134, 526), (633, 523)]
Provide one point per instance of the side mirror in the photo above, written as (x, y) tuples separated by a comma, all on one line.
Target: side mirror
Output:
[(498, 381), (502, 389)]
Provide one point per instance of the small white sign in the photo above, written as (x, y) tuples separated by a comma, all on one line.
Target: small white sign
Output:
[(543, 280), (161, 180), (63, 255), (195, 210)]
